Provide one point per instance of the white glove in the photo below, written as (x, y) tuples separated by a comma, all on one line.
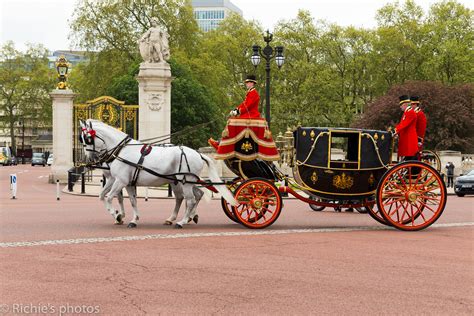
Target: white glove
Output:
[(234, 112)]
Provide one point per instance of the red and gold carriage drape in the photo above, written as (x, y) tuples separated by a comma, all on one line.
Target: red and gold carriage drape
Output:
[(247, 139)]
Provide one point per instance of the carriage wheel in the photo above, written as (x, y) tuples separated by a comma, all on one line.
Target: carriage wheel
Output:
[(363, 209), (431, 158), (226, 207), (411, 196), (260, 203), (375, 214), (315, 207)]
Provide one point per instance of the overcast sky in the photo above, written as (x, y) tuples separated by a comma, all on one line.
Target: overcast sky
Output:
[(46, 21)]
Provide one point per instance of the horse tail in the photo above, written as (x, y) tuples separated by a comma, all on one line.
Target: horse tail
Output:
[(214, 176)]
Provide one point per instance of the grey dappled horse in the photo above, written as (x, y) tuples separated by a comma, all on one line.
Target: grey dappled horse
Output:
[(101, 140)]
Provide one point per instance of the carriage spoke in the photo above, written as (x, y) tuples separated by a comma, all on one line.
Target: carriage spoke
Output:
[(425, 205)]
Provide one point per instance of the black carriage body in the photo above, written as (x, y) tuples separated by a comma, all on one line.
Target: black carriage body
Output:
[(354, 175), (252, 169)]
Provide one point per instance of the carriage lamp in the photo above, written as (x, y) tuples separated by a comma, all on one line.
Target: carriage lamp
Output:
[(62, 67), (280, 144), (267, 53), (289, 148)]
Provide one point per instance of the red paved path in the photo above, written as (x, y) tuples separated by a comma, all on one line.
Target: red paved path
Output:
[(368, 271)]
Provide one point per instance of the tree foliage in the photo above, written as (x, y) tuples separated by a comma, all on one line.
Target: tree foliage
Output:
[(330, 75), (25, 82)]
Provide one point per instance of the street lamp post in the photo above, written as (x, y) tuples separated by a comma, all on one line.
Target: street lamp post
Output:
[(22, 122), (268, 53)]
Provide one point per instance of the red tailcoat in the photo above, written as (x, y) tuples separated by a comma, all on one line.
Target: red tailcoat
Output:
[(406, 130), (249, 108), (421, 123)]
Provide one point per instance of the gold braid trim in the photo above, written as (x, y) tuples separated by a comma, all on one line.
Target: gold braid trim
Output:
[(247, 132)]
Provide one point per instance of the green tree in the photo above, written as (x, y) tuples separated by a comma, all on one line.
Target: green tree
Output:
[(106, 25), (451, 38), (192, 105), (25, 82), (109, 30)]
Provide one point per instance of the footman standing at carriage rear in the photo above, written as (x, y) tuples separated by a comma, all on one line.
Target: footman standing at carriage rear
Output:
[(421, 121), (406, 131)]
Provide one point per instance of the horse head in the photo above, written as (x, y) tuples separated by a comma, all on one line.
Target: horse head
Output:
[(98, 138), (93, 145)]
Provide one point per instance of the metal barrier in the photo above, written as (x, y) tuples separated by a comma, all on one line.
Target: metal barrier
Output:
[(73, 175)]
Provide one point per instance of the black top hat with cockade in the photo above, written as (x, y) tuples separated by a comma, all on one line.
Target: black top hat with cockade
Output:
[(251, 78), (404, 99), (415, 99)]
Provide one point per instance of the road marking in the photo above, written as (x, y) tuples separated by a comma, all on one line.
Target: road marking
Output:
[(195, 235)]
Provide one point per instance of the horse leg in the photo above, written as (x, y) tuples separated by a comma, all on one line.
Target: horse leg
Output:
[(190, 202), (198, 194), (117, 187), (132, 195), (120, 200), (178, 194), (106, 189)]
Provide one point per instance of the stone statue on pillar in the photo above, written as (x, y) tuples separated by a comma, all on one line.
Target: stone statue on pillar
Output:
[(154, 83), (154, 45)]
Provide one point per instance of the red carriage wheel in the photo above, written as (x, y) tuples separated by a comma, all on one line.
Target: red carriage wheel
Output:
[(411, 196), (260, 203), (226, 207), (375, 214)]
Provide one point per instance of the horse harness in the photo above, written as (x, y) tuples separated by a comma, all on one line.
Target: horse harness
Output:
[(146, 149)]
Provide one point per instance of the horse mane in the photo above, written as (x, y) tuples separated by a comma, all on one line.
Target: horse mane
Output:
[(106, 126)]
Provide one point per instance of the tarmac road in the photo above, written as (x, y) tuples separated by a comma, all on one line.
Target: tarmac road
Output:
[(68, 256)]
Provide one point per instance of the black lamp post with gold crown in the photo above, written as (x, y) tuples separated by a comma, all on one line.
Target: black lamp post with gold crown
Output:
[(268, 53), (62, 67)]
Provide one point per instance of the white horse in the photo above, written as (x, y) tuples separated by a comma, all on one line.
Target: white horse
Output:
[(178, 166)]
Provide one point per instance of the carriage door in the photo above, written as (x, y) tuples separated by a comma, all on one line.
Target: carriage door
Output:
[(108, 110)]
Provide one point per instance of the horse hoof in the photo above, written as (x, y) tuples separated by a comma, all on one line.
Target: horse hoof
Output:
[(118, 223), (168, 222), (119, 219), (178, 226), (196, 219), (132, 225)]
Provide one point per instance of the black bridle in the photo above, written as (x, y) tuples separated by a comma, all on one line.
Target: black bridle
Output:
[(88, 136)]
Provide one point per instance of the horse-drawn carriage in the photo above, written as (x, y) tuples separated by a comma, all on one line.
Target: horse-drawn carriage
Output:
[(410, 195)]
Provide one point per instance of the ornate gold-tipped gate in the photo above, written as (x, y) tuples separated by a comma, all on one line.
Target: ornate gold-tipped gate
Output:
[(108, 110)]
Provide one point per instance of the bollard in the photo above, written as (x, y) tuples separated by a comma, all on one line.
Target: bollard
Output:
[(104, 181), (13, 181), (57, 190), (70, 182), (146, 194), (83, 183), (170, 192)]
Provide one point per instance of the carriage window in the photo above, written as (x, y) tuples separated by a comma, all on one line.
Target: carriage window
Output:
[(344, 147)]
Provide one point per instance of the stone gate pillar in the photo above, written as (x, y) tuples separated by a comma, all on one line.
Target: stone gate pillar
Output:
[(154, 95), (62, 134)]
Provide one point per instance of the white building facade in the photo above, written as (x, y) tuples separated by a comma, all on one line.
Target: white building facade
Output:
[(209, 13)]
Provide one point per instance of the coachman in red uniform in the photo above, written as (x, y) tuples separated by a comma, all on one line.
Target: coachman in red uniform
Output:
[(246, 135), (247, 109), (406, 130), (421, 121)]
